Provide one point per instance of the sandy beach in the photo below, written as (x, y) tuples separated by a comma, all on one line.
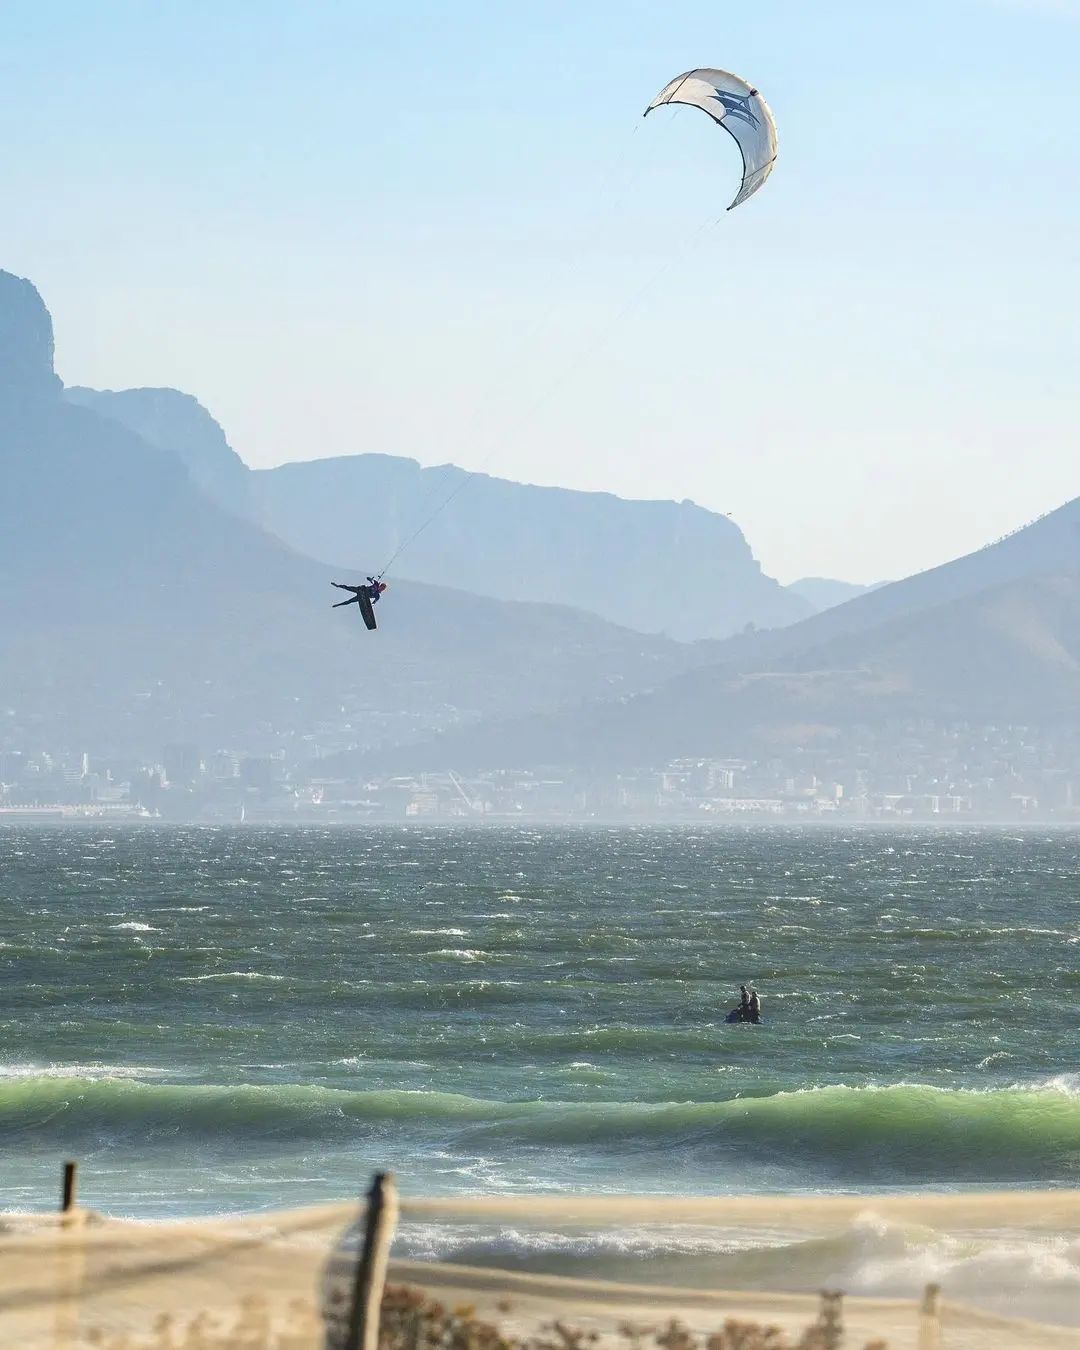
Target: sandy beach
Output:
[(65, 1277)]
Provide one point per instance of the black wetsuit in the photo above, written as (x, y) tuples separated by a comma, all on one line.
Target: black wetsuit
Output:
[(371, 591)]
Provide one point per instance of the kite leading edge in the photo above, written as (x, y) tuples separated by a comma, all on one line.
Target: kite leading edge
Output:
[(739, 109)]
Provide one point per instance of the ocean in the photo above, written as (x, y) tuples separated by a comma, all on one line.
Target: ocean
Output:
[(220, 1019)]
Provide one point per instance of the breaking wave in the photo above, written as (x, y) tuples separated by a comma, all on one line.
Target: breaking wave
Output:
[(1019, 1273), (901, 1133)]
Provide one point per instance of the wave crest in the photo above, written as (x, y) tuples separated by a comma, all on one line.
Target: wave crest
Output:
[(880, 1134)]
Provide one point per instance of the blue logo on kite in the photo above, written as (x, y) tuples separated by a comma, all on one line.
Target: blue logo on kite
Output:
[(738, 106)]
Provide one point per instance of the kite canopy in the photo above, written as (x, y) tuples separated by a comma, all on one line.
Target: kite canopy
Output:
[(739, 109)]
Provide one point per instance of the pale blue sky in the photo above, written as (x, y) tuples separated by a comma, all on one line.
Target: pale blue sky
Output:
[(353, 226)]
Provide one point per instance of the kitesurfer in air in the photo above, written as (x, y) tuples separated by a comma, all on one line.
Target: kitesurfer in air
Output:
[(373, 590)]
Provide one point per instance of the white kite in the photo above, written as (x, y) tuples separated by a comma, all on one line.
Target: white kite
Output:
[(739, 109)]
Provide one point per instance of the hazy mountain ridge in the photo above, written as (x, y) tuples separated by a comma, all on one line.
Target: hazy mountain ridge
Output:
[(1045, 547), (134, 610), (26, 345), (657, 566), (990, 636), (654, 566), (1011, 654), (825, 592), (137, 610), (178, 423)]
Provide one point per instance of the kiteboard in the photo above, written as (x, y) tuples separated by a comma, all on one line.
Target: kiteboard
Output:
[(367, 609)]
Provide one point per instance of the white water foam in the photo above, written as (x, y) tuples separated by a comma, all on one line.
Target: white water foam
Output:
[(228, 975), (92, 1072), (1033, 1275)]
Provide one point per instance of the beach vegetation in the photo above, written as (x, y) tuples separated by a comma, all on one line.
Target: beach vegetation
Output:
[(412, 1321)]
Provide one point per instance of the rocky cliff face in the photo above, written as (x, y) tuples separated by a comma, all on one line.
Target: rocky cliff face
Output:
[(176, 422), (26, 344)]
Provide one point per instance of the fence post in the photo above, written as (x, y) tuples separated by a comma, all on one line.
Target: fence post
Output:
[(69, 1266), (831, 1319), (67, 1195), (380, 1218), (930, 1318)]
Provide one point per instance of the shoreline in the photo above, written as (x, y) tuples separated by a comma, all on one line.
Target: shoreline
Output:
[(283, 1249)]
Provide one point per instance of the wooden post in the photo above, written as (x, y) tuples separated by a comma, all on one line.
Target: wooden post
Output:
[(831, 1319), (380, 1219), (930, 1318), (69, 1266), (67, 1195)]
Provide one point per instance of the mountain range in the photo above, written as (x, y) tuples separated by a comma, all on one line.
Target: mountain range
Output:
[(153, 588), (655, 566), (134, 610), (823, 592), (1008, 655)]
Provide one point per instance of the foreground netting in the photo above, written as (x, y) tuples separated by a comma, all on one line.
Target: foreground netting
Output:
[(288, 1280)]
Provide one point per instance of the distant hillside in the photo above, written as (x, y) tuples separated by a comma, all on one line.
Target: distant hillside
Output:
[(992, 635), (823, 593), (134, 611), (655, 566), (1045, 547), (169, 420), (1010, 654)]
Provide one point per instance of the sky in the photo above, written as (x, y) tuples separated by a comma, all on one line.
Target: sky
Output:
[(445, 231)]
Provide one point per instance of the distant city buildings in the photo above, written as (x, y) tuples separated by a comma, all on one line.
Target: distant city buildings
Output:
[(916, 771)]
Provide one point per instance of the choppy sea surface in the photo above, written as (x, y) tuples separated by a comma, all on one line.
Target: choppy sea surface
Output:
[(216, 1019)]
